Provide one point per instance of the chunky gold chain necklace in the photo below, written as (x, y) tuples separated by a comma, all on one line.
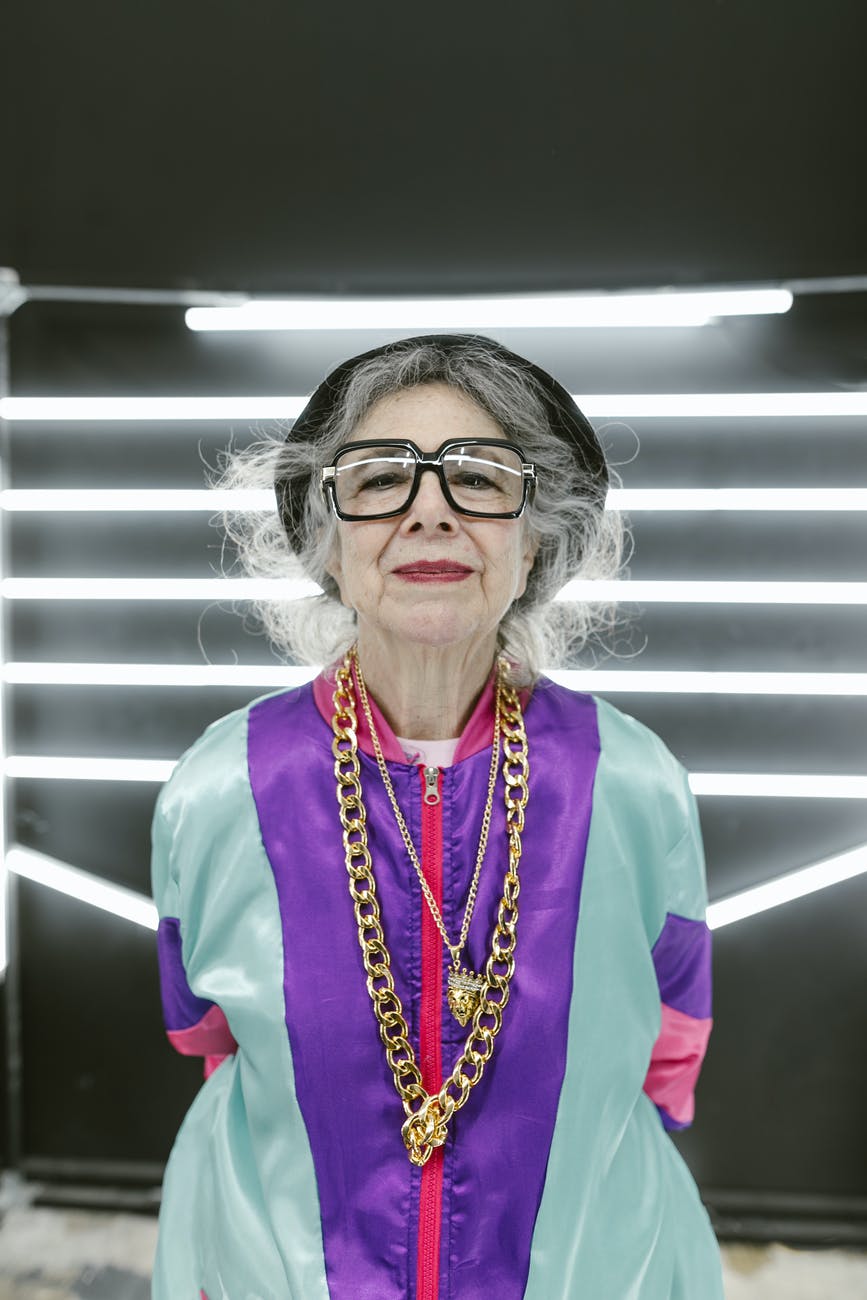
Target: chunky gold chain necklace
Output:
[(428, 1114), (464, 986)]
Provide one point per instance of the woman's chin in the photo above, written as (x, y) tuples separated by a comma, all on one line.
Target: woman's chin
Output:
[(432, 625), (436, 634)]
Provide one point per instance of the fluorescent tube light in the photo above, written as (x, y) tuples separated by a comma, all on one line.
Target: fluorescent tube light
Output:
[(690, 682), (210, 501), (97, 409), (266, 676), (769, 785), (669, 406), (546, 311), (193, 589), (132, 906), (39, 767), (795, 884), (82, 885), (702, 406), (758, 499), (728, 784), (274, 676), (634, 590), (712, 592), (141, 500)]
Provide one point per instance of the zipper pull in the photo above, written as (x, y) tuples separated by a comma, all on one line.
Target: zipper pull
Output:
[(431, 785)]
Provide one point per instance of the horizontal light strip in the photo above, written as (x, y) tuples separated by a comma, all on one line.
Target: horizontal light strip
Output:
[(97, 674), (722, 405), (670, 406), (523, 311), (795, 884), (266, 676), (140, 500), (82, 885), (690, 682), (698, 592), (132, 906), (767, 785), (759, 499), (96, 409), (40, 767), (197, 589), (192, 500), (732, 784), (650, 592)]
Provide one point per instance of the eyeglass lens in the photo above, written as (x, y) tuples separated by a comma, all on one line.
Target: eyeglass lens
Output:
[(377, 480)]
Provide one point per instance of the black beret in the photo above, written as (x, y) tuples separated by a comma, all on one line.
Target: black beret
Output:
[(566, 419)]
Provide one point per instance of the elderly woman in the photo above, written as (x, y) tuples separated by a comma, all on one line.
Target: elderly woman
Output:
[(435, 923)]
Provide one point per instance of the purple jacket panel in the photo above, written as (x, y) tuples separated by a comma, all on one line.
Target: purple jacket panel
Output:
[(682, 960), (181, 1008)]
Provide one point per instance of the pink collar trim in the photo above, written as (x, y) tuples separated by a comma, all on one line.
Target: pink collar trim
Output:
[(476, 736)]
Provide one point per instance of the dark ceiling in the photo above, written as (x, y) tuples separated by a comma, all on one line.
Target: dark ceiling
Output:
[(346, 147)]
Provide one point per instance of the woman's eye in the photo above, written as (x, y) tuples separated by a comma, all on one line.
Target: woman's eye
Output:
[(472, 479), (381, 480)]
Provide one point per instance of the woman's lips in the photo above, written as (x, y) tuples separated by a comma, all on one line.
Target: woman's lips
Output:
[(433, 571)]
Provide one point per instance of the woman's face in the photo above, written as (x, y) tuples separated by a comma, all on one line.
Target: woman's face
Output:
[(375, 561)]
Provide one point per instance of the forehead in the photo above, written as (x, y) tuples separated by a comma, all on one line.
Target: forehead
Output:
[(428, 415)]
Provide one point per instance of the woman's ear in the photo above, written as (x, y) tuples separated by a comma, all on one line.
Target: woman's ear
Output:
[(334, 568), (528, 559)]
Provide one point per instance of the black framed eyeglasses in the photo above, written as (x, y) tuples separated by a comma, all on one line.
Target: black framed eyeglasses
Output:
[(481, 477)]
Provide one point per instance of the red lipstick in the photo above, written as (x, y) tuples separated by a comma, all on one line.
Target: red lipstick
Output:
[(433, 571)]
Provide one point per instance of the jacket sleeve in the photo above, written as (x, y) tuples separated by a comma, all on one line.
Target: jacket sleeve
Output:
[(682, 961), (194, 1025)]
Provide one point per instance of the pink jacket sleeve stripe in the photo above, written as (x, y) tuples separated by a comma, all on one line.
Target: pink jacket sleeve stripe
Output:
[(675, 1064), (211, 1036)]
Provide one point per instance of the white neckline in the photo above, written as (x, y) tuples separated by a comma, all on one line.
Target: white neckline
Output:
[(432, 753)]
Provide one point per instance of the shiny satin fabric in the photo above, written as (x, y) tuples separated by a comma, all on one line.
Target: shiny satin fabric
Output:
[(562, 1180)]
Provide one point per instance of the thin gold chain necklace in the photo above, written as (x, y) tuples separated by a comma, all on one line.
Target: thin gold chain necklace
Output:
[(464, 986), (428, 1114)]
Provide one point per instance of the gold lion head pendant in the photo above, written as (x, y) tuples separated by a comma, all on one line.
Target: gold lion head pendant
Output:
[(464, 993)]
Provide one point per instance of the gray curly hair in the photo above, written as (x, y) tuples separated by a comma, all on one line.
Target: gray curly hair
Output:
[(576, 536)]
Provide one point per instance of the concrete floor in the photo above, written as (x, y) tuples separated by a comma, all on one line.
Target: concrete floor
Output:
[(82, 1255)]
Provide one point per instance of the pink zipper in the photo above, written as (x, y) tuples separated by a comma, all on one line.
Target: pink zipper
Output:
[(430, 1031)]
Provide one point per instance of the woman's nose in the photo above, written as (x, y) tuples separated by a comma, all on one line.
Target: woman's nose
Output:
[(430, 509)]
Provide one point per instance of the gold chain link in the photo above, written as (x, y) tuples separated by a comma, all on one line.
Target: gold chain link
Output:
[(427, 1114)]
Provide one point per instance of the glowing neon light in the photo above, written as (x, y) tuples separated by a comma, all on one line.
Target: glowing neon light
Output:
[(41, 767), (194, 589), (730, 784), (118, 900), (784, 785), (625, 406), (266, 676), (210, 501), (568, 311), (644, 592), (795, 884), (133, 906), (690, 682)]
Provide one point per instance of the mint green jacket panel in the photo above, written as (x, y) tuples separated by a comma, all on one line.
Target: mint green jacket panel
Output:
[(620, 1216), (240, 1171)]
